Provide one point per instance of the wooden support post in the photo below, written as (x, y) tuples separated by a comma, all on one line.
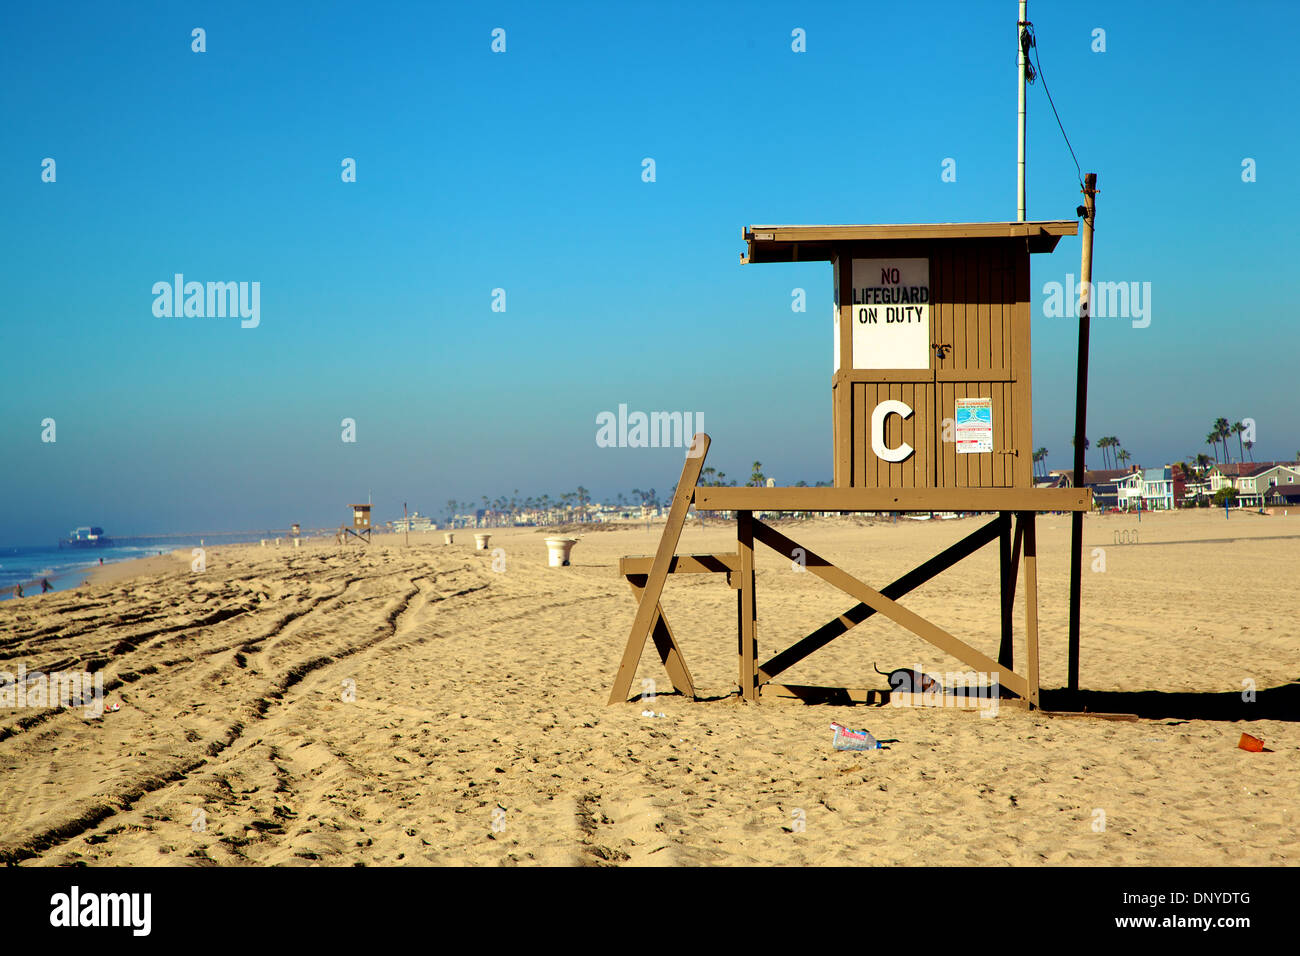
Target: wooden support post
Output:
[(748, 627), (1026, 520), (1007, 590), (648, 609), (1080, 426)]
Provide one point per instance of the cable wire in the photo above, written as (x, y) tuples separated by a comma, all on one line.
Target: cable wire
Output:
[(1038, 73)]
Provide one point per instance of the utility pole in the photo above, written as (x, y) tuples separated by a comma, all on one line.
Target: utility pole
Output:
[(407, 520), (1022, 61), (1089, 212)]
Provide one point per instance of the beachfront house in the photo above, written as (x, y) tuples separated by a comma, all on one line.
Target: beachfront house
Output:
[(1186, 486), (1180, 479), (1243, 478), (1158, 489), (1194, 490), (1128, 491), (1253, 486), (1223, 476), (1283, 496), (1227, 474)]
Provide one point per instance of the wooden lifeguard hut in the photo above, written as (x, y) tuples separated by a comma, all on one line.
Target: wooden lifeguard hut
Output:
[(930, 394), (360, 525)]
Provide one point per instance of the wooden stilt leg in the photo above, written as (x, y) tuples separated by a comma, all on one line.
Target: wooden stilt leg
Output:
[(1010, 571), (740, 629), (1007, 584), (1031, 607), (748, 638)]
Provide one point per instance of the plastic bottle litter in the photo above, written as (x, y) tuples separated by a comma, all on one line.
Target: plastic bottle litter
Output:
[(846, 739), (650, 713)]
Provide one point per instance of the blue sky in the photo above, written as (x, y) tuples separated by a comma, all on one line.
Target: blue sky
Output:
[(522, 170)]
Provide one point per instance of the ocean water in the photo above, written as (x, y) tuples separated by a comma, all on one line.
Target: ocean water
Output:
[(68, 567)]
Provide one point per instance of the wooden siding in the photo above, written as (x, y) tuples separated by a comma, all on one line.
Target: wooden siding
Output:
[(980, 309)]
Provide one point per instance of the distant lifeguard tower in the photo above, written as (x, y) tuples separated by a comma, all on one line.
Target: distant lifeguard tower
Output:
[(930, 397), (360, 525)]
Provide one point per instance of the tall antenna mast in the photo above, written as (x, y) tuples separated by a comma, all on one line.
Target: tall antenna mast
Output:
[(1022, 63)]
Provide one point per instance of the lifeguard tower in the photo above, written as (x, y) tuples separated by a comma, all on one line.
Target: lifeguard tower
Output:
[(930, 394), (360, 525)]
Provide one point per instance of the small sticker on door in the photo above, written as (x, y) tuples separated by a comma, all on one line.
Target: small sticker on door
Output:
[(974, 425)]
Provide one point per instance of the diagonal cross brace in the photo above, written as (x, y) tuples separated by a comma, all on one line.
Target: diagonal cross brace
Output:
[(666, 643), (900, 615), (860, 612), (647, 611)]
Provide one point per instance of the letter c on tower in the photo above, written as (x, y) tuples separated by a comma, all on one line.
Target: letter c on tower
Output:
[(883, 410)]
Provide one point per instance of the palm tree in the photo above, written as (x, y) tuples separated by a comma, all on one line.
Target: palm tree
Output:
[(1212, 439), (1237, 429), (1106, 444), (756, 479), (1040, 454), (1249, 445), (1123, 457), (1223, 430)]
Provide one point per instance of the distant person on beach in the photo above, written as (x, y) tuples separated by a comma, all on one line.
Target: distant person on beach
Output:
[(18, 590), (46, 585), (101, 560)]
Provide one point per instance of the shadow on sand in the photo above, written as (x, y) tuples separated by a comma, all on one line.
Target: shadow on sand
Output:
[(1272, 703)]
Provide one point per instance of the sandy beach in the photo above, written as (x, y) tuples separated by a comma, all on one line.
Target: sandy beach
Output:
[(394, 705)]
